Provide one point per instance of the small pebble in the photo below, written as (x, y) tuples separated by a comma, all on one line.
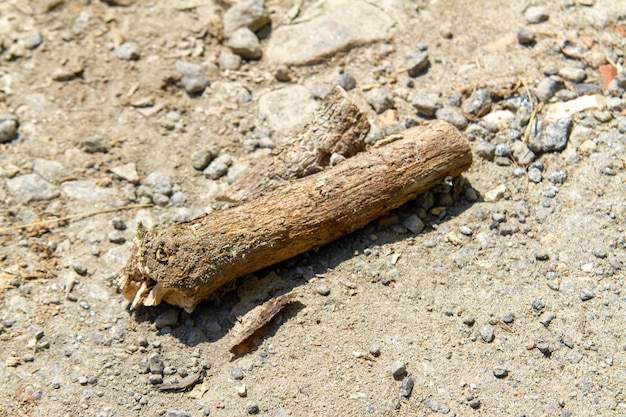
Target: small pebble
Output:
[(398, 371), (252, 408), (426, 103), (345, 81), (242, 391), (201, 159), (557, 176), (509, 318), (237, 373), (323, 290), (453, 116), (500, 373), (542, 255), (407, 386), (116, 237), (544, 348), (380, 100), (118, 223), (167, 318), (534, 175), (155, 379), (229, 61), (193, 77), (475, 404), (469, 321), (479, 99), (525, 36), (538, 304), (547, 317), (416, 63), (177, 413), (486, 333), (375, 351), (245, 43), (599, 253), (218, 167), (466, 230), (536, 14), (586, 295), (80, 269), (127, 51)]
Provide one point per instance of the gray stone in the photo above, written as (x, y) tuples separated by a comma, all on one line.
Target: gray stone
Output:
[(544, 348), (177, 413), (469, 321), (155, 365), (538, 304), (500, 373), (522, 155), (245, 43), (398, 371), (407, 386), (416, 63), (503, 150), (547, 317), (94, 145), (282, 73), (374, 135), (158, 182), (193, 77), (426, 103), (30, 187), (323, 290), (160, 200), (286, 108), (252, 407), (218, 167), (126, 172), (486, 333), (8, 127), (479, 99), (127, 51), (31, 41), (586, 295), (118, 223), (116, 237), (167, 318), (229, 61), (485, 150), (345, 81), (375, 351), (414, 224), (250, 14), (525, 36), (557, 176), (201, 159), (380, 100), (236, 373), (453, 116), (325, 30), (547, 88), (534, 175), (155, 379), (573, 74), (556, 134), (235, 172), (536, 14), (50, 170)]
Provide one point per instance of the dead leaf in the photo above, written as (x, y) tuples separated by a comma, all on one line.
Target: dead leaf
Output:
[(256, 319), (607, 73)]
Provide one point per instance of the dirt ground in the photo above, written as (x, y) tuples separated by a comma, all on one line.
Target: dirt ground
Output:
[(507, 303)]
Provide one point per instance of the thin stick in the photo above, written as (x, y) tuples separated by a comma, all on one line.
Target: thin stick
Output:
[(74, 216)]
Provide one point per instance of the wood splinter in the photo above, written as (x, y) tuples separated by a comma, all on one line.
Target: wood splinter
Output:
[(184, 263)]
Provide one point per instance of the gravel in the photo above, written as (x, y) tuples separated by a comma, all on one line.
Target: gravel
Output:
[(500, 373), (237, 373), (416, 63), (398, 371), (536, 14), (547, 317), (426, 103), (8, 127), (525, 36), (486, 333), (345, 81), (380, 100), (453, 116), (407, 386), (479, 99), (127, 51)]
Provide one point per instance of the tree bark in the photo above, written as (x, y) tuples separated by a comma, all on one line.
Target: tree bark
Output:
[(184, 263), (338, 127)]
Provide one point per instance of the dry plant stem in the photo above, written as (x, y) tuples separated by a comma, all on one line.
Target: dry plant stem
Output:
[(338, 127), (184, 263)]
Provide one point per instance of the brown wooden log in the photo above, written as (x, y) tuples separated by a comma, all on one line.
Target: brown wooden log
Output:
[(338, 127), (184, 263)]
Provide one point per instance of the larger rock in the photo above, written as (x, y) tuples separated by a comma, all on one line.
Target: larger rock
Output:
[(30, 187), (250, 14), (8, 127), (244, 43), (337, 25), (49, 170), (287, 108)]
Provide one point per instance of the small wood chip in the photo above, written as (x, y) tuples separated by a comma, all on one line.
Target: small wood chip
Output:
[(181, 385)]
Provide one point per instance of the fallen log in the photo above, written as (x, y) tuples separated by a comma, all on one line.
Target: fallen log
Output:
[(184, 263), (339, 127)]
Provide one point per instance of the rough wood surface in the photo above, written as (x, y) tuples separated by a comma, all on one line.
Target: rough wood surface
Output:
[(339, 127), (184, 263)]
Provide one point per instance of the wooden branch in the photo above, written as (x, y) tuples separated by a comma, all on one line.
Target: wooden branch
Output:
[(338, 127), (184, 263)]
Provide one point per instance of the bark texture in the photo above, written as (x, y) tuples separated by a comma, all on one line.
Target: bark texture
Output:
[(338, 127), (184, 263)]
